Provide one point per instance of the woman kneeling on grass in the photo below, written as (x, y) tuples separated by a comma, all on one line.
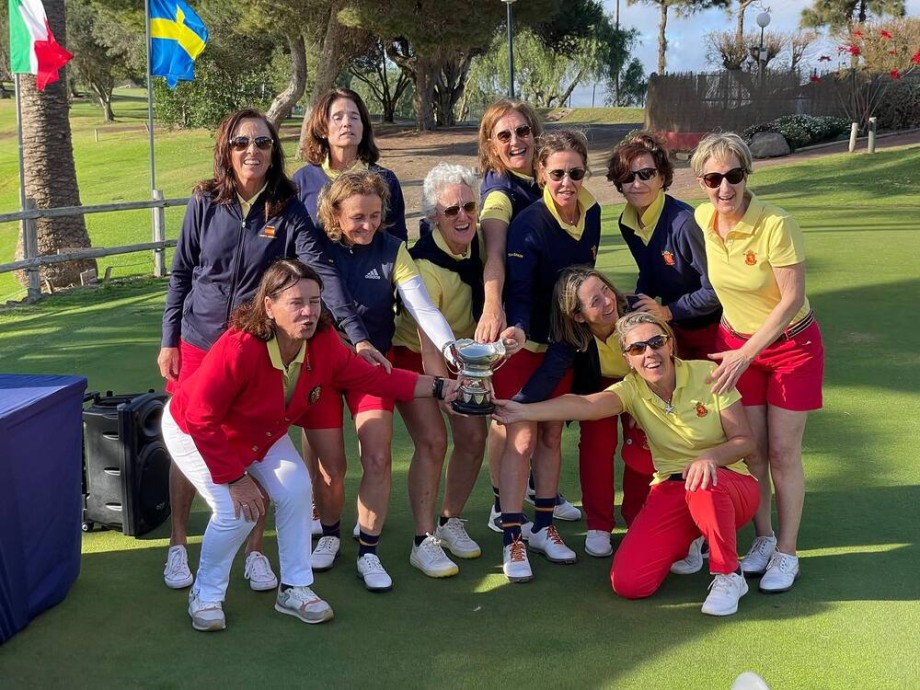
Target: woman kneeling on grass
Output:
[(227, 429), (698, 441)]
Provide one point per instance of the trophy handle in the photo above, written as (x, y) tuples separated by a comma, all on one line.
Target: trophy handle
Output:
[(454, 357)]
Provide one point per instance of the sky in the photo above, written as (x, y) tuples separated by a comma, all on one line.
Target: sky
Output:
[(686, 35)]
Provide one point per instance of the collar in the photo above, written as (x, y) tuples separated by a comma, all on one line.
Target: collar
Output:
[(585, 201), (527, 178), (681, 377), (247, 203), (442, 245), (706, 216), (332, 174), (274, 354), (644, 225)]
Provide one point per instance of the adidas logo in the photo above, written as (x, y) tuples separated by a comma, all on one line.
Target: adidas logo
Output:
[(373, 275)]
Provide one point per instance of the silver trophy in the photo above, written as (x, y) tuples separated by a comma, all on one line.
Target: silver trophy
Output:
[(474, 364)]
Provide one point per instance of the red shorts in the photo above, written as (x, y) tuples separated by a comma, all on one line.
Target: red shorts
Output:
[(327, 413), (404, 358), (190, 358), (788, 374), (516, 372), (696, 343)]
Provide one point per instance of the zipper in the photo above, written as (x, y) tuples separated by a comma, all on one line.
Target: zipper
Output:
[(236, 269)]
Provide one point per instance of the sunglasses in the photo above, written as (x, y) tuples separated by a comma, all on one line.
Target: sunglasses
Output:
[(505, 135), (645, 174), (575, 174), (453, 211), (714, 179), (241, 143), (656, 343)]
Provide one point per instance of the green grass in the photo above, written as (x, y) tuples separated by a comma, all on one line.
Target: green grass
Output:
[(850, 622), (595, 116)]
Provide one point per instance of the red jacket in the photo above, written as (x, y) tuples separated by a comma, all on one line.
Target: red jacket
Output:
[(233, 405)]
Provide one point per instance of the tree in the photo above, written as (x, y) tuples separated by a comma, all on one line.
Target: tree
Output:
[(683, 8), (371, 69), (837, 14), (92, 59), (50, 174)]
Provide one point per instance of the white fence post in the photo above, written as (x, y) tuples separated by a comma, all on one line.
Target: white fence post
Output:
[(159, 234), (854, 130), (873, 123), (30, 251)]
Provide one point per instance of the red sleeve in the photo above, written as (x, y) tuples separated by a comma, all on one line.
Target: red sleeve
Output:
[(217, 385), (351, 372)]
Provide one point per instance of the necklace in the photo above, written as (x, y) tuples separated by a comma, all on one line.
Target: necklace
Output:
[(668, 407)]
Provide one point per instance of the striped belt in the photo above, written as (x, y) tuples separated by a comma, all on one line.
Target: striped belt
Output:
[(788, 334)]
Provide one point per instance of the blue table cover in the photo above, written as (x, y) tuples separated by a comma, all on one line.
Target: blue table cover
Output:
[(41, 495)]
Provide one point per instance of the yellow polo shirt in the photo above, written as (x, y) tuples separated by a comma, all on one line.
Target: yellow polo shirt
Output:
[(246, 204), (497, 204), (741, 267), (291, 372), (585, 201), (694, 424), (332, 174), (613, 365), (448, 293), (644, 227)]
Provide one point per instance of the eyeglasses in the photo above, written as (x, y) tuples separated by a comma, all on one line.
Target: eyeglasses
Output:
[(453, 211), (645, 174), (241, 143), (714, 179), (575, 174), (505, 135), (656, 343)]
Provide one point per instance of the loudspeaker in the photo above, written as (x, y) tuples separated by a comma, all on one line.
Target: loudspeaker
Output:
[(126, 464)]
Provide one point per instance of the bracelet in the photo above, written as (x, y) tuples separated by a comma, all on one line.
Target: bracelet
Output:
[(238, 479), (437, 388)]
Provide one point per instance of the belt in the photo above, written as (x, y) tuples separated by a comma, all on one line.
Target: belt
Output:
[(788, 334), (677, 477)]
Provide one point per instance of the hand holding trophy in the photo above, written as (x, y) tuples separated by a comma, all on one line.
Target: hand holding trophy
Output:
[(474, 363)]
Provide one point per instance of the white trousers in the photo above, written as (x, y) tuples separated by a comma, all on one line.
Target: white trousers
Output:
[(284, 477)]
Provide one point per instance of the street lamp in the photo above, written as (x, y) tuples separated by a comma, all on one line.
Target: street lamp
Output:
[(508, 4), (763, 21)]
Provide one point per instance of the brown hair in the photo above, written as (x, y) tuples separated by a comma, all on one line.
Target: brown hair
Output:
[(637, 318), (563, 326), (315, 147), (488, 159), (345, 186), (251, 317), (631, 148), (223, 187), (556, 142)]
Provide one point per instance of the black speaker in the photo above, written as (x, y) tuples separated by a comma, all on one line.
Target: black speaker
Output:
[(126, 464)]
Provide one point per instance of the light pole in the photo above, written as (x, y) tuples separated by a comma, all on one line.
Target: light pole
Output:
[(763, 21), (508, 4)]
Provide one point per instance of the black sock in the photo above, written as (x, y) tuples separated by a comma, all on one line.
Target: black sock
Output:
[(285, 587), (442, 521), (543, 513), (511, 527), (419, 538), (367, 543), (497, 503), (333, 530)]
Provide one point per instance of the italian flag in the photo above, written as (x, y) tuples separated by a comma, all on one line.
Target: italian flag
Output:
[(33, 49)]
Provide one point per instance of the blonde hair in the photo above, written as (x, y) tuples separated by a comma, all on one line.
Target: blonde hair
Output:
[(721, 145), (637, 318), (345, 186), (562, 323)]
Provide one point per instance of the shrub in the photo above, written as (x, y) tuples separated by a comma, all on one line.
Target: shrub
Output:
[(802, 130), (900, 108)]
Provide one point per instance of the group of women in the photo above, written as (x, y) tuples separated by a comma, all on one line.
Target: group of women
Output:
[(247, 352)]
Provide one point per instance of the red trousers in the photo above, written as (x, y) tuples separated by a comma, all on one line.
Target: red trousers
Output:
[(596, 451), (697, 343), (672, 518)]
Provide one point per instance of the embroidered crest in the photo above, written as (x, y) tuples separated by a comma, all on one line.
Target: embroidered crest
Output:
[(314, 394), (701, 410), (750, 258), (268, 232), (668, 258)]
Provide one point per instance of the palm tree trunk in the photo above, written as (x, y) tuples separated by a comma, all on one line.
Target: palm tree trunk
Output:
[(662, 37)]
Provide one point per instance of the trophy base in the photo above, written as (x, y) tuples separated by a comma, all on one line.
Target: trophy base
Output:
[(473, 409)]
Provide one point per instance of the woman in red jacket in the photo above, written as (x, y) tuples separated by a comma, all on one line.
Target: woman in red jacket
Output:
[(226, 429)]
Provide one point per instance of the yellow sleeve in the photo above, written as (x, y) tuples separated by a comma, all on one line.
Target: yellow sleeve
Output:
[(786, 243), (497, 206), (625, 392), (429, 274), (405, 268)]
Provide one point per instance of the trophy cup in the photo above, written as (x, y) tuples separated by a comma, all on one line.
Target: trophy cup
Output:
[(474, 363)]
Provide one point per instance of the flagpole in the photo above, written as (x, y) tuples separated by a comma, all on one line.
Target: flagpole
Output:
[(153, 170), (22, 167)]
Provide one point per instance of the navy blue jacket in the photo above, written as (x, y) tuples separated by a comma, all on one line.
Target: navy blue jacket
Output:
[(219, 261), (367, 271), (310, 179), (520, 192), (538, 251), (559, 358), (672, 266)]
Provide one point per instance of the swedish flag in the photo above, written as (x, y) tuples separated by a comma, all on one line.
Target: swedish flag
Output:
[(177, 37)]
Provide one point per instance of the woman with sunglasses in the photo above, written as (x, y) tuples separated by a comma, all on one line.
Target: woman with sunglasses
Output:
[(698, 439), (236, 224), (449, 260), (376, 267), (562, 229), (769, 342)]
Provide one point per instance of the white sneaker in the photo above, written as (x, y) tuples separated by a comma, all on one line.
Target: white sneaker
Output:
[(430, 558), (495, 524), (371, 570), (316, 527), (758, 556), (514, 562), (693, 563), (452, 535), (725, 591), (563, 510), (206, 616), (549, 543), (781, 573), (259, 572), (303, 603), (597, 543), (325, 553), (177, 574)]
